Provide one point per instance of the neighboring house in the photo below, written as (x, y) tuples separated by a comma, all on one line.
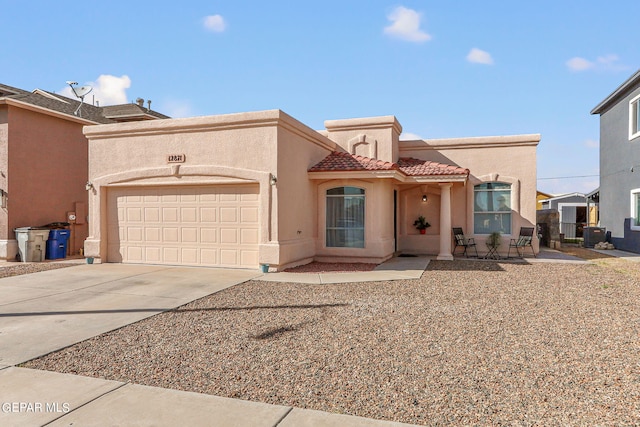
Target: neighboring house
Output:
[(573, 210), (620, 164), (43, 160), (246, 189), (540, 196)]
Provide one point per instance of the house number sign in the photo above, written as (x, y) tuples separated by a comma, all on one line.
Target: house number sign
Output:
[(176, 158)]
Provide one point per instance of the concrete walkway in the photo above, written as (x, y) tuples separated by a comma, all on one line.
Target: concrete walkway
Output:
[(46, 311), (394, 269)]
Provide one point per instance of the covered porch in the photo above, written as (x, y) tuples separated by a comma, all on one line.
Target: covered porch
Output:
[(395, 195)]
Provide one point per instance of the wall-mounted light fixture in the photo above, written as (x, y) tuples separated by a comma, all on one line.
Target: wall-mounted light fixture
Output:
[(88, 186), (3, 199), (424, 197), (272, 179)]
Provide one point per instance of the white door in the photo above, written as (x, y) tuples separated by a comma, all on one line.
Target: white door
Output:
[(196, 225)]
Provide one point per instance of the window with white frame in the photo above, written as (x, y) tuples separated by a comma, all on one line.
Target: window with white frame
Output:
[(345, 217), (635, 209), (492, 208), (634, 117)]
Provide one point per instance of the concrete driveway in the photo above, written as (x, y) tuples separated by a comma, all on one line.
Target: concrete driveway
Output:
[(50, 310)]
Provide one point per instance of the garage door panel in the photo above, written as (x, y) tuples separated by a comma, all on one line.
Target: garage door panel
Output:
[(134, 214), (169, 198), (208, 215), (229, 214), (153, 254), (188, 197), (229, 256), (170, 235), (249, 257), (229, 236), (249, 215), (151, 214), (189, 235), (229, 197), (249, 236), (212, 226), (170, 254), (134, 234), (209, 257), (134, 253), (190, 256), (189, 214), (152, 234), (169, 214), (209, 235)]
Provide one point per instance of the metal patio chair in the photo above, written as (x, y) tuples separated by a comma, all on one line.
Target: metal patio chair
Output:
[(524, 239), (463, 242)]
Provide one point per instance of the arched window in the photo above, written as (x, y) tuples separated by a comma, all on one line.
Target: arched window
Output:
[(492, 208), (345, 217)]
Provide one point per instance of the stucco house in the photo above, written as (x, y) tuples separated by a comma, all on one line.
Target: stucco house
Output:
[(540, 196), (620, 164), (43, 161), (240, 190)]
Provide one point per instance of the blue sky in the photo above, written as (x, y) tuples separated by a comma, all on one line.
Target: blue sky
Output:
[(444, 69)]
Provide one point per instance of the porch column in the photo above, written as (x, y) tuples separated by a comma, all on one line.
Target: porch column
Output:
[(445, 221)]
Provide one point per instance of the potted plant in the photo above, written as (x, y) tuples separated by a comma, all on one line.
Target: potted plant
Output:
[(493, 241), (421, 224)]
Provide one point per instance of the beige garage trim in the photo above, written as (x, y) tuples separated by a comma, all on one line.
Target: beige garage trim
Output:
[(215, 226)]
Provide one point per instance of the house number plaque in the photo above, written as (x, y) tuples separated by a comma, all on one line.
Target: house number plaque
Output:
[(176, 158)]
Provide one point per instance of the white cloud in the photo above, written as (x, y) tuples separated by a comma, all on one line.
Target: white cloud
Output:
[(579, 64), (406, 25), (408, 136), (176, 108), (591, 143), (608, 62), (107, 90), (479, 56), (215, 23)]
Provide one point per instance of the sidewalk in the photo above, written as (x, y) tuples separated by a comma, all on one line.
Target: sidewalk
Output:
[(37, 398)]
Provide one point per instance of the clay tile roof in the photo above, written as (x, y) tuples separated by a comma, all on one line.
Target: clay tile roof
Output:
[(338, 161), (417, 167), (343, 162)]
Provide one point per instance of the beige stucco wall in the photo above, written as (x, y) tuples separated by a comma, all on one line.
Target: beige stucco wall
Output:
[(45, 167), (379, 239), (373, 137), (4, 163), (510, 159), (244, 147), (297, 195), (256, 147)]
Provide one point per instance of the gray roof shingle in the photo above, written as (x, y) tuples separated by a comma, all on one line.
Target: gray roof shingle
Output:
[(62, 104)]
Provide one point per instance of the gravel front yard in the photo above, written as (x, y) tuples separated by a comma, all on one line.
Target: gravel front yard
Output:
[(19, 268), (470, 343)]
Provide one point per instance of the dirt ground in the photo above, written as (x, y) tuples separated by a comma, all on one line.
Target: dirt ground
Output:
[(583, 253)]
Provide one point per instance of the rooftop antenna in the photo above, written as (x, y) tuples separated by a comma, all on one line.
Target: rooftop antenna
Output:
[(80, 92)]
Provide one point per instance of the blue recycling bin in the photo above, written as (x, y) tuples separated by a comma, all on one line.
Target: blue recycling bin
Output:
[(57, 244)]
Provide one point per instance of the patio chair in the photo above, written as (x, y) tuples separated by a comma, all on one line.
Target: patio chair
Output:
[(524, 239), (463, 242)]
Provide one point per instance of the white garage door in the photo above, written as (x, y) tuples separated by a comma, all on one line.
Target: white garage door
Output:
[(207, 226)]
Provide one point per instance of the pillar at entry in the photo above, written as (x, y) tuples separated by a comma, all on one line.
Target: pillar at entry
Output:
[(445, 222)]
